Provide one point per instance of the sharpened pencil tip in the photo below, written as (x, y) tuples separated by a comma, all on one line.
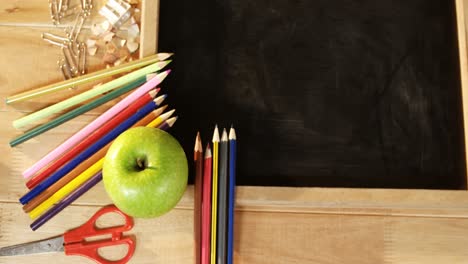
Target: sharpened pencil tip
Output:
[(150, 76), (171, 121), (159, 110), (166, 115), (216, 134), (153, 93), (208, 151), (160, 99), (224, 137), (232, 134), (164, 55), (198, 143)]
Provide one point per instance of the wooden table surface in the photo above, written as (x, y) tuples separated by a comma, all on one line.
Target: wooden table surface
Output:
[(273, 225)]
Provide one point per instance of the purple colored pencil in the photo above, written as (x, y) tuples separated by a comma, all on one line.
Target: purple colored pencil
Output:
[(66, 201), (81, 190)]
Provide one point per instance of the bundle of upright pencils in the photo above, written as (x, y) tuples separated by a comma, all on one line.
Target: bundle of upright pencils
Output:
[(74, 167), (214, 198)]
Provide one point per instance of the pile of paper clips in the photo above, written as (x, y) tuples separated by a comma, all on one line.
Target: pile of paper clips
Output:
[(73, 62)]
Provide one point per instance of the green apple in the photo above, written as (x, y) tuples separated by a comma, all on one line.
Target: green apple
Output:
[(145, 172)]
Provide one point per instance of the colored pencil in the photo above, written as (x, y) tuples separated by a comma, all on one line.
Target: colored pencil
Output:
[(198, 159), (102, 119), (84, 165), (214, 195), (114, 122), (63, 191), (87, 153), (101, 131), (67, 200), (231, 193), (100, 89), (206, 207), (151, 116), (168, 123), (76, 112), (87, 78), (162, 118), (222, 199)]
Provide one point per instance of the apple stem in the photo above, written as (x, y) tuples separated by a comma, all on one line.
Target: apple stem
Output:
[(141, 163)]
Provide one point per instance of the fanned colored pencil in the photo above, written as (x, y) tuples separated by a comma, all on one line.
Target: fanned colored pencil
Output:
[(76, 112), (67, 201), (95, 124), (87, 78), (214, 195), (87, 153), (40, 209), (168, 123), (84, 165), (198, 159), (75, 194), (100, 89), (100, 132), (231, 193), (162, 118), (222, 199), (206, 207)]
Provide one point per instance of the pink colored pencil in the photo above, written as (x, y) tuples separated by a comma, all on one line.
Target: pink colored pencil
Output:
[(206, 208), (84, 132)]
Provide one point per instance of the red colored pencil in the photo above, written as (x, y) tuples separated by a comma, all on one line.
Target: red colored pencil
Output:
[(206, 208), (119, 118), (198, 159)]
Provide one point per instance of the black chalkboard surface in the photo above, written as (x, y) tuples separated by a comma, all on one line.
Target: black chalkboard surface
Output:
[(322, 93)]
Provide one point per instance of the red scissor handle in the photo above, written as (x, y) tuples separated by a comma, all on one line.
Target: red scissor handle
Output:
[(90, 250), (75, 240)]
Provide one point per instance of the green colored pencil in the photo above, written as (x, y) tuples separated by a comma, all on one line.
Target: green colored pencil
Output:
[(78, 111), (96, 91)]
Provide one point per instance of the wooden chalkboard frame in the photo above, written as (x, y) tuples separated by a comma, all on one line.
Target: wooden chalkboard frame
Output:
[(361, 201)]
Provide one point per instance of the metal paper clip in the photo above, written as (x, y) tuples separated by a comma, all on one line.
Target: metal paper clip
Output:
[(55, 40), (53, 9), (77, 26), (82, 59), (65, 70), (70, 60), (86, 6)]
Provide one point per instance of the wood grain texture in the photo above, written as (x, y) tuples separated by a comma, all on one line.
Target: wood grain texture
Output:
[(33, 13), (149, 28), (263, 237)]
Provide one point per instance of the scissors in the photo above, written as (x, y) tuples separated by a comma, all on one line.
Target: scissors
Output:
[(73, 242)]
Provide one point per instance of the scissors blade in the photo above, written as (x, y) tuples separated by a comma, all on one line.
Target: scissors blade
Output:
[(54, 244)]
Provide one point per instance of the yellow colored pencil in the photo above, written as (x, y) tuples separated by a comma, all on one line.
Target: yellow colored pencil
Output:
[(156, 122), (82, 178), (214, 197), (68, 188), (96, 91), (87, 78)]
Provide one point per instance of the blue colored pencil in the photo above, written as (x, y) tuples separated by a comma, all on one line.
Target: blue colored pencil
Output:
[(68, 200), (231, 193), (88, 152)]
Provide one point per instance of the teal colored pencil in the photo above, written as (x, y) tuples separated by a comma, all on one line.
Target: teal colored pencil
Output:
[(78, 111)]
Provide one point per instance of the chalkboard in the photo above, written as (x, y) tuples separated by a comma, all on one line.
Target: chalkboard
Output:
[(322, 93)]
